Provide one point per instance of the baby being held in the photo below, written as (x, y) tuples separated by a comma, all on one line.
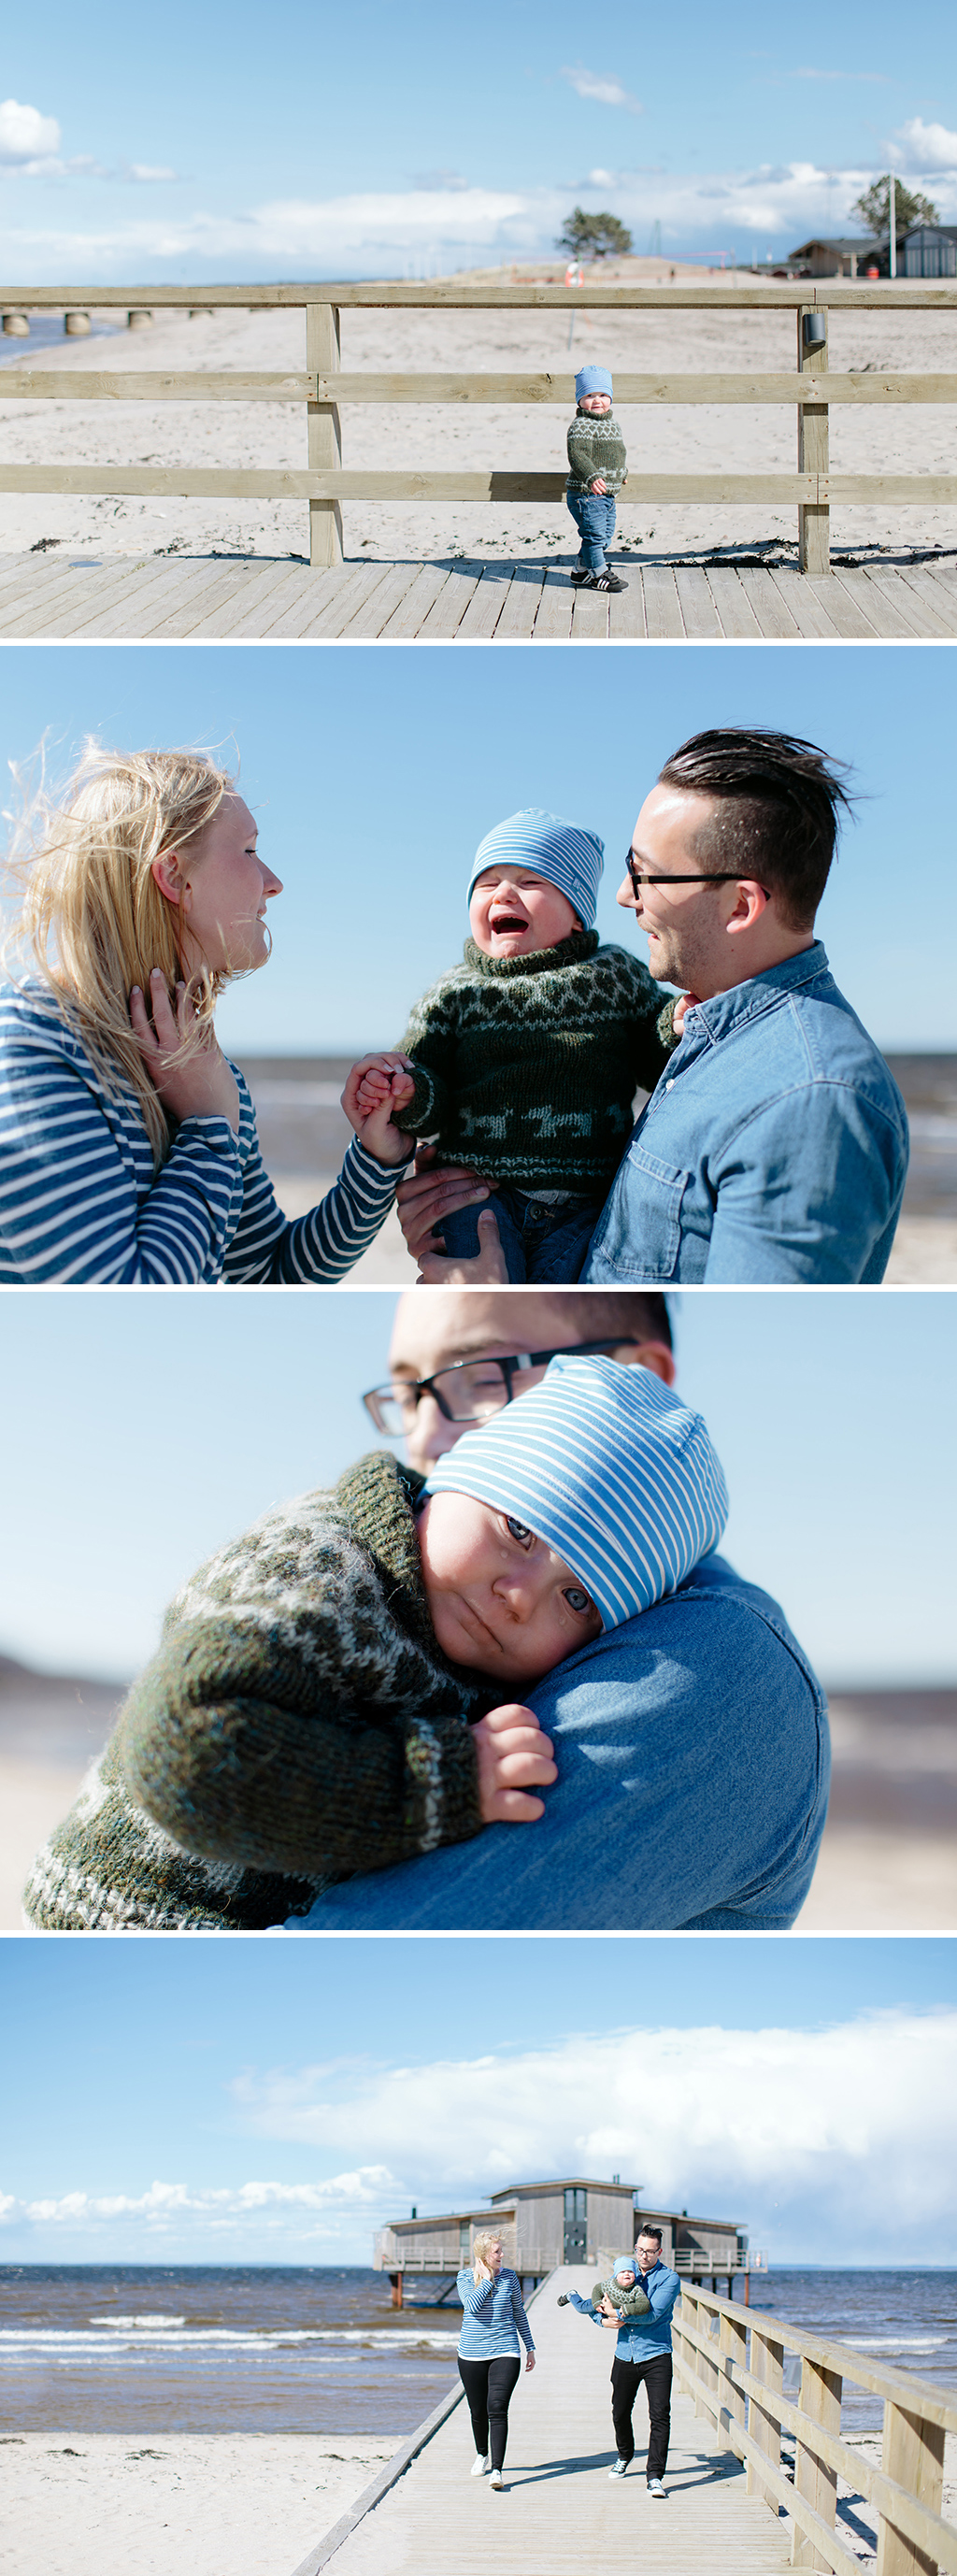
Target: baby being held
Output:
[(524, 1060), (621, 2291)]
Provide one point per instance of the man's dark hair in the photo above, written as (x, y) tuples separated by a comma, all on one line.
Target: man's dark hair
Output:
[(649, 2231), (619, 1315), (780, 806)]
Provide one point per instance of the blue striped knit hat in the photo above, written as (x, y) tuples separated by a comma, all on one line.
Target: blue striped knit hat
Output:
[(569, 857), (608, 1467), (592, 380)]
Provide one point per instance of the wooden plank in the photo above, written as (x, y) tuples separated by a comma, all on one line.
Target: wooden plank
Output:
[(553, 623), (808, 602), (337, 608), (847, 617), (912, 2453), (860, 587), (590, 616), (455, 294), (289, 483), (373, 612), (424, 589), (295, 587), (190, 604), (935, 597), (627, 619), (522, 604), (904, 489), (486, 604), (445, 616), (325, 594), (78, 602), (698, 609), (662, 605), (735, 610), (118, 385), (124, 606), (913, 612), (238, 606), (814, 2479), (813, 453), (121, 385)]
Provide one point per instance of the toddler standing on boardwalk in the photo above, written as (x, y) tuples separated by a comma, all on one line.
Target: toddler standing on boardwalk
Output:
[(524, 1060), (598, 466)]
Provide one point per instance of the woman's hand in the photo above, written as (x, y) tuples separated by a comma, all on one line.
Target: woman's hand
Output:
[(529, 2361), (376, 1086), (199, 1084), (513, 1756), (424, 1199)]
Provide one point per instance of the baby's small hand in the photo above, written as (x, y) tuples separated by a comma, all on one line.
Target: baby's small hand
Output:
[(375, 1079), (599, 484), (513, 1755)]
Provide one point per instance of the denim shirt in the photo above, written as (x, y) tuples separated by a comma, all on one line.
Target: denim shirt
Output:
[(693, 1759), (773, 1149)]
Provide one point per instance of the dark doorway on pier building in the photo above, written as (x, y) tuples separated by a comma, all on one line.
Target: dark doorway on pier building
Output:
[(576, 2226)]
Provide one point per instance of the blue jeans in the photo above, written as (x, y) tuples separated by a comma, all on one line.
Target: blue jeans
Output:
[(693, 1768), (594, 517), (539, 1242)]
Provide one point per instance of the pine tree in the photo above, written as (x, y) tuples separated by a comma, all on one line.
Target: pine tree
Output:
[(874, 208)]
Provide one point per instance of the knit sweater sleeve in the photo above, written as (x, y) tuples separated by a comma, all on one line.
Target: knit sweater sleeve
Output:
[(430, 1040), (580, 451), (291, 1721), (653, 1039)]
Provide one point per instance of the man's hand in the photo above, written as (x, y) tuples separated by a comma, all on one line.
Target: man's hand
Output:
[(192, 1079), (424, 1199), (513, 1756)]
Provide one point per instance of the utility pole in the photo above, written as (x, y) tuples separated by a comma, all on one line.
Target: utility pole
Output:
[(892, 217)]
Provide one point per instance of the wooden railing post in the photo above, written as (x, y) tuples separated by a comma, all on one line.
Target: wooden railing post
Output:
[(913, 2454), (821, 2400), (767, 2364), (325, 441), (733, 2339), (814, 520)]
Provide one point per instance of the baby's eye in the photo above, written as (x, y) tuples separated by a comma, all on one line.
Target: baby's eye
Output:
[(517, 1530), (579, 1601)]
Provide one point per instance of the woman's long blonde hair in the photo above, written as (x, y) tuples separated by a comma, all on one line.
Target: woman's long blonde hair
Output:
[(480, 2244), (93, 921)]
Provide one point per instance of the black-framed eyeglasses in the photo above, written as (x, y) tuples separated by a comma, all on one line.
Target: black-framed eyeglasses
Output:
[(468, 1391), (640, 876)]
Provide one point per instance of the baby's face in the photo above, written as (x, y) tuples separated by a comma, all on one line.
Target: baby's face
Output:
[(625, 2280), (514, 912), (500, 1599), (595, 402)]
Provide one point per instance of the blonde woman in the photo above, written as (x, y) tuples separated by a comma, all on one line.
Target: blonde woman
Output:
[(489, 2361), (128, 1146)]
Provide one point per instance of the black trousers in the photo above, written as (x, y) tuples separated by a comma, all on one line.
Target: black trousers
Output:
[(626, 2379), (488, 2386)]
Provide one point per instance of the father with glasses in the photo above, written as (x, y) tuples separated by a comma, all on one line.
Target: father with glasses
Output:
[(774, 1148), (690, 1744)]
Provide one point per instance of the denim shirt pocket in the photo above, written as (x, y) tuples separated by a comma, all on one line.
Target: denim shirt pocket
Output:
[(639, 1233)]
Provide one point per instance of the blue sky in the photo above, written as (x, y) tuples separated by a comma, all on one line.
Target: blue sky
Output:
[(391, 140), (374, 774), (834, 1413), (247, 2099)]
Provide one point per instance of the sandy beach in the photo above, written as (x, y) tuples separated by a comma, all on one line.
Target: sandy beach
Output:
[(760, 439), (81, 2504)]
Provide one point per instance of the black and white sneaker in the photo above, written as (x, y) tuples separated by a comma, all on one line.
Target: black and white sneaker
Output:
[(656, 2489), (579, 574), (603, 581), (619, 2469)]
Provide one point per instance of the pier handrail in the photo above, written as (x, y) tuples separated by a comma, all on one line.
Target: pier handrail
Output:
[(324, 388), (732, 2363)]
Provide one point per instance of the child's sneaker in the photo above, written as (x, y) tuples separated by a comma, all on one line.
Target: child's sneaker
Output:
[(580, 573), (603, 581)]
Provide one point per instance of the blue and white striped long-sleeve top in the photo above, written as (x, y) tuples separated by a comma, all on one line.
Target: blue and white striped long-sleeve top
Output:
[(81, 1202), (494, 2316)]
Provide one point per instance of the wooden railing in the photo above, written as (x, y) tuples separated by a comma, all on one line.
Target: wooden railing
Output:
[(325, 388), (733, 2367)]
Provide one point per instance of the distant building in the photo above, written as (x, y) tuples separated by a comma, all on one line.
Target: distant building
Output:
[(573, 2220), (930, 250), (845, 256)]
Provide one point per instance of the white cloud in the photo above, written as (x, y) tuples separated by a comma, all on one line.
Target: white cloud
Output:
[(165, 2201), (141, 170), (807, 2133), (608, 92), (921, 148), (26, 135), (448, 227)]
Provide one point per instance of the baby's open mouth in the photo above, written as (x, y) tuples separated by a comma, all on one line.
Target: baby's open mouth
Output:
[(504, 921)]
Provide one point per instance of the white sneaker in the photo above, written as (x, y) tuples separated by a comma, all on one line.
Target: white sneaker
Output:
[(496, 2479), (619, 2470), (655, 2488), (480, 2466)]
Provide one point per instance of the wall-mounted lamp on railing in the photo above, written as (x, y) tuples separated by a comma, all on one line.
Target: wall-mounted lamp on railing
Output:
[(814, 330)]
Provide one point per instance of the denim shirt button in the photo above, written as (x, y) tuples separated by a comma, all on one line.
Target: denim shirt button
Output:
[(670, 1084)]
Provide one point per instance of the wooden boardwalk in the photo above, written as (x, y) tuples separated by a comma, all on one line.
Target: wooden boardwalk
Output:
[(559, 2512), (245, 598)]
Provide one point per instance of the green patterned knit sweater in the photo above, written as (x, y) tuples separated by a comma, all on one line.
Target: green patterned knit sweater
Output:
[(595, 446), (527, 1066), (299, 1725)]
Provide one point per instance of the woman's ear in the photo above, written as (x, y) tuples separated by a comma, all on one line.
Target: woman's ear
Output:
[(167, 875)]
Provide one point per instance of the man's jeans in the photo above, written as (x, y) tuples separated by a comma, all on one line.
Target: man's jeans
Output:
[(594, 517), (693, 1769), (539, 1242), (626, 2379)]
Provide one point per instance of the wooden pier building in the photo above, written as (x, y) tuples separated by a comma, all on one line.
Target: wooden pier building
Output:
[(574, 2219)]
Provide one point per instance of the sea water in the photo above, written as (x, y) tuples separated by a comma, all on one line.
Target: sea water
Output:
[(86, 2348)]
